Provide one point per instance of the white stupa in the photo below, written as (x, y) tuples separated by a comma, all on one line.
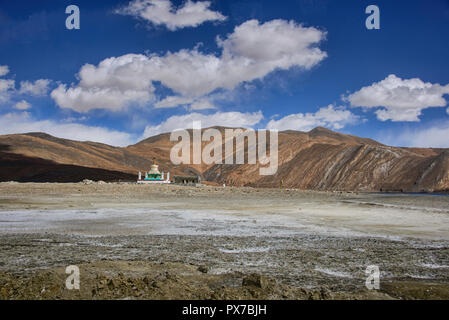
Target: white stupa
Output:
[(153, 176)]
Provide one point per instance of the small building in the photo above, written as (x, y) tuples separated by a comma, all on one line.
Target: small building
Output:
[(187, 180), (153, 176)]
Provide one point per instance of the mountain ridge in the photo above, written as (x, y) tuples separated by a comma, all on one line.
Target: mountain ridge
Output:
[(320, 159)]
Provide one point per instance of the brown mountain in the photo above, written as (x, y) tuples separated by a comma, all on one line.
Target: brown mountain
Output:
[(319, 159)]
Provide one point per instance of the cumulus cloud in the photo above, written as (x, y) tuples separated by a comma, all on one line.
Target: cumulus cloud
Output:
[(275, 44), (22, 122), (7, 87), (202, 105), (434, 136), (226, 119), (22, 105), (162, 12), (114, 84), (82, 100), (173, 101), (330, 116), (399, 99), (251, 52), (4, 70), (36, 88)]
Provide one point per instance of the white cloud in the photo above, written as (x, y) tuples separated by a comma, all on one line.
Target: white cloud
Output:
[(226, 119), (402, 100), (8, 86), (202, 105), (74, 119), (173, 101), (251, 52), (447, 110), (162, 12), (82, 100), (113, 85), (22, 105), (4, 70), (274, 44), (22, 122), (38, 88), (6, 89), (331, 117), (435, 136)]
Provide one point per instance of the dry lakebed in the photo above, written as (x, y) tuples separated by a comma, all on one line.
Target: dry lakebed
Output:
[(174, 242)]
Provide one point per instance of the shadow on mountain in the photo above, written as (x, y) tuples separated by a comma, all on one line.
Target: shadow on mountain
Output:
[(4, 147), (20, 168)]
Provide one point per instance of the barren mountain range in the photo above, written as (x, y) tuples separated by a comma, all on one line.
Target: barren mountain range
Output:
[(319, 160)]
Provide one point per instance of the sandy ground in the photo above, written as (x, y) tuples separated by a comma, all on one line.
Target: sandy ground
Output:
[(208, 240)]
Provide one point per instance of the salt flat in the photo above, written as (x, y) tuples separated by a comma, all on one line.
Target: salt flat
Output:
[(307, 239), (236, 216)]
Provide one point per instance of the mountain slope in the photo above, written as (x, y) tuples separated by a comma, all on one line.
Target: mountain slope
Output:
[(319, 159)]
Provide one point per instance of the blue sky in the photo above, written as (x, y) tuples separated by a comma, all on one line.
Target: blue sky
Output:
[(139, 68)]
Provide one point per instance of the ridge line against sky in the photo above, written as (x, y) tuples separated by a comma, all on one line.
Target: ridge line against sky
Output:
[(235, 72)]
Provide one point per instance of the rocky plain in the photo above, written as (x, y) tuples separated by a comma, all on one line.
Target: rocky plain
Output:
[(212, 242)]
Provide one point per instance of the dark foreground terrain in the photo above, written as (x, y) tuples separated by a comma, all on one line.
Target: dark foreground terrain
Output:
[(160, 281)]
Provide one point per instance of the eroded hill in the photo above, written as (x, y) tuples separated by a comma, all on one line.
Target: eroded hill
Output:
[(319, 159)]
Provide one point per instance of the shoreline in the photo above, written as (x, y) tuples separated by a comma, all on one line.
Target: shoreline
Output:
[(212, 184)]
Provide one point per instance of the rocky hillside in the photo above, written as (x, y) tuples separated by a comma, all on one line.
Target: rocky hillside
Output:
[(320, 160)]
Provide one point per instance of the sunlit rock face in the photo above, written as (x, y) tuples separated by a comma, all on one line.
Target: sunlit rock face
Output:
[(317, 160)]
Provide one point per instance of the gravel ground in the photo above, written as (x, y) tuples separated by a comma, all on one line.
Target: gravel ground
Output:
[(305, 242)]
